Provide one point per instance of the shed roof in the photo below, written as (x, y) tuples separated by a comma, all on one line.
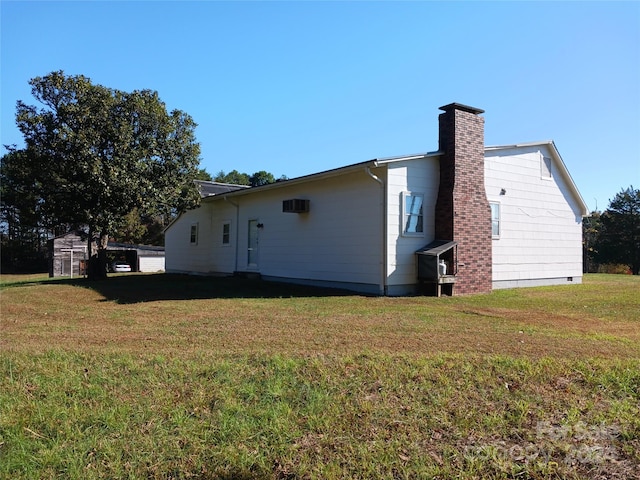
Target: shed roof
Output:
[(437, 247)]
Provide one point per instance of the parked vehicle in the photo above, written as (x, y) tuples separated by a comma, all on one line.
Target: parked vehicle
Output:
[(120, 267)]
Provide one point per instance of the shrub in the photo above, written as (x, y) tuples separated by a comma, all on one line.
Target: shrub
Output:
[(617, 268)]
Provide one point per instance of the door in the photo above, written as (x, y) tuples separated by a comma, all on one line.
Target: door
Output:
[(252, 251)]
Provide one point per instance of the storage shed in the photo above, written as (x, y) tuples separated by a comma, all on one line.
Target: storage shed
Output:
[(68, 255)]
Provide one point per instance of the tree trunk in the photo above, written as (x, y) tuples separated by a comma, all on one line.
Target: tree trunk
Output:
[(97, 257)]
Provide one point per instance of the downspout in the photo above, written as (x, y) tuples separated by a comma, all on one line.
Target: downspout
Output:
[(383, 204), (237, 222)]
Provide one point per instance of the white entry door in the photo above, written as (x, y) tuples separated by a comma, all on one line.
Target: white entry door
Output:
[(252, 254)]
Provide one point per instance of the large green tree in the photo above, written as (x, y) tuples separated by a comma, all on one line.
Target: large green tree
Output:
[(619, 238), (96, 154)]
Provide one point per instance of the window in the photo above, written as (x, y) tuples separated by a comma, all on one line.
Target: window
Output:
[(193, 235), (545, 167), (413, 215), (495, 220), (226, 233)]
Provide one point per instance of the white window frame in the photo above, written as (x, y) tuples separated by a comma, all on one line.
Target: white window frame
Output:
[(226, 235), (406, 215), (496, 221), (193, 233)]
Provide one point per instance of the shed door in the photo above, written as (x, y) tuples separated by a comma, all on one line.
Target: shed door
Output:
[(252, 253)]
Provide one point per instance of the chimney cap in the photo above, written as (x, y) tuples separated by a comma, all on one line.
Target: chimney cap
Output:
[(460, 106)]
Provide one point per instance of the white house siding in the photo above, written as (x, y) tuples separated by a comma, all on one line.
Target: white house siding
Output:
[(221, 255), (337, 243), (416, 176), (209, 255), (181, 255), (541, 225)]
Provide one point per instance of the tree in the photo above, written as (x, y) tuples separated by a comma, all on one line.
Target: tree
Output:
[(22, 227), (132, 229), (261, 178), (97, 154), (619, 239), (591, 227), (203, 175), (233, 177), (256, 180)]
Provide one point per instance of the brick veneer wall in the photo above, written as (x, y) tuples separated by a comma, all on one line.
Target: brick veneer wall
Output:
[(462, 210)]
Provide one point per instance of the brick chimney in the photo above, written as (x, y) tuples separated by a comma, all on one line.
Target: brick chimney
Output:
[(462, 210)]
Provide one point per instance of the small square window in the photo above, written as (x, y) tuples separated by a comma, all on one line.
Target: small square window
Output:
[(193, 235), (413, 214)]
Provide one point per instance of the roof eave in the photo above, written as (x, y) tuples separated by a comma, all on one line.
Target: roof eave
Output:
[(374, 163), (298, 180)]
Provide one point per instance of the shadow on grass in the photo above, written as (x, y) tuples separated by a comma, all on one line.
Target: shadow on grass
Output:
[(163, 286)]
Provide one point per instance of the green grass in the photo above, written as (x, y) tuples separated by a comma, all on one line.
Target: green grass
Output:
[(357, 388)]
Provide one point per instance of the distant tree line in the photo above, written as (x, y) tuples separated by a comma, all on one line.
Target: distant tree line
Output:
[(611, 239), (256, 180)]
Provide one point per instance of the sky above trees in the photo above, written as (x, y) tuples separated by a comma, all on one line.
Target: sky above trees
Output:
[(299, 87)]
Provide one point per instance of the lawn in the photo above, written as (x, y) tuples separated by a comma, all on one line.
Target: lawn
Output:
[(161, 376)]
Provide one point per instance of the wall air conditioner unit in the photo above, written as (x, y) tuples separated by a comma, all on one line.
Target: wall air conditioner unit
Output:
[(295, 205)]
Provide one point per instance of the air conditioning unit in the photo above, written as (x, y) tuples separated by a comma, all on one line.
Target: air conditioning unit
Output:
[(295, 205)]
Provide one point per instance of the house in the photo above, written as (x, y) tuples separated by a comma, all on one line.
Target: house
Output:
[(68, 255), (486, 217)]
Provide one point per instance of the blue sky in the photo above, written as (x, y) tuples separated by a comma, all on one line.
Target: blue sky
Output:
[(299, 87)]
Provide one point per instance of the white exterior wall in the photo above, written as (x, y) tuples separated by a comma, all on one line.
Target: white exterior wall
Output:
[(337, 243), (180, 255), (540, 240), (354, 222), (414, 176)]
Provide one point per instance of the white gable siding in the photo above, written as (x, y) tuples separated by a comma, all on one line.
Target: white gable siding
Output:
[(417, 176), (540, 225)]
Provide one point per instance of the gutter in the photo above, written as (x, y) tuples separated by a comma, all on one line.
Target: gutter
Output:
[(237, 235), (383, 205)]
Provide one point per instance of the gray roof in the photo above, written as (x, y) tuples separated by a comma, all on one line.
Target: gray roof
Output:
[(208, 189)]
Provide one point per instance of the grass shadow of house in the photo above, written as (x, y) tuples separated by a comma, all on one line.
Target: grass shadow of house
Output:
[(127, 289)]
